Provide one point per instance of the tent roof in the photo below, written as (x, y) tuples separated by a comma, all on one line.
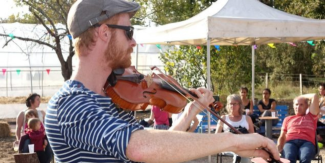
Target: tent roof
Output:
[(236, 22)]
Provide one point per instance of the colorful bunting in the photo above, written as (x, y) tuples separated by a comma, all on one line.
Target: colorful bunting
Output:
[(18, 72), (70, 37), (255, 46), (271, 45), (4, 71), (217, 47), (48, 71), (292, 44), (311, 43), (11, 36), (199, 47), (158, 46)]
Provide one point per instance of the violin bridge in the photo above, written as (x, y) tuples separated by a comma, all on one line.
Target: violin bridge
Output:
[(148, 80)]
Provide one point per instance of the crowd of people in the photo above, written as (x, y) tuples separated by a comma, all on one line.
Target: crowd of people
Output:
[(83, 124)]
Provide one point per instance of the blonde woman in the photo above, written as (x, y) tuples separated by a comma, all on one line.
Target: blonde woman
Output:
[(236, 119)]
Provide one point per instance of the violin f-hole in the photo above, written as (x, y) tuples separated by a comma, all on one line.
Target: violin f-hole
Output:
[(145, 92)]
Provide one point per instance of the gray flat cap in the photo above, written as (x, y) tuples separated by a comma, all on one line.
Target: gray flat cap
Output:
[(85, 13)]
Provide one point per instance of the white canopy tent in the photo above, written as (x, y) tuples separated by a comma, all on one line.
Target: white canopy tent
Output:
[(235, 22)]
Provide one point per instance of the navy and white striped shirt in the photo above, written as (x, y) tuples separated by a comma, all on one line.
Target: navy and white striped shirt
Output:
[(83, 126)]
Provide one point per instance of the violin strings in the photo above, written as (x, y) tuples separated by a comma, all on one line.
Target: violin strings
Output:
[(222, 120), (188, 99)]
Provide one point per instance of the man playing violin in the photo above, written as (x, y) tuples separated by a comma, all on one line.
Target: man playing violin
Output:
[(82, 123)]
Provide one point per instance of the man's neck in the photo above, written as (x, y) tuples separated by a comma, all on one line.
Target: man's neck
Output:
[(92, 75)]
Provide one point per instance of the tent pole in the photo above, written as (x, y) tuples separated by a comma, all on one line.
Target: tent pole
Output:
[(253, 74), (209, 86), (136, 67), (136, 56)]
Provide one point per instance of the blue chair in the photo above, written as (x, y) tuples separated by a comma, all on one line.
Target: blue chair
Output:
[(203, 125), (283, 112)]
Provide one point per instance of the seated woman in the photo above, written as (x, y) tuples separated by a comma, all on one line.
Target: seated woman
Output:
[(266, 106), (248, 104), (236, 119)]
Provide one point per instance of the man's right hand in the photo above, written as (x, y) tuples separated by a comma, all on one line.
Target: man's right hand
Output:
[(252, 145)]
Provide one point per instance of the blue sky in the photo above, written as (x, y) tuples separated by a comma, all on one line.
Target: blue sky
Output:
[(8, 7)]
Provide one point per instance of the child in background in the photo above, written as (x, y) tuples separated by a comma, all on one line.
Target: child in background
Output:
[(37, 134), (30, 113), (25, 140)]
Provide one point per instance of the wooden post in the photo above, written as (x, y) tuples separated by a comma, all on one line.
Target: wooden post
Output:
[(26, 158), (267, 80), (300, 77)]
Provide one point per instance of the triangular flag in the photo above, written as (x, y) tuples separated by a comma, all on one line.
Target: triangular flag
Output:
[(255, 46), (70, 37), (198, 47), (141, 45), (33, 73), (311, 43), (271, 45), (4, 71), (48, 71), (217, 47), (11, 35), (292, 44), (158, 46), (18, 72)]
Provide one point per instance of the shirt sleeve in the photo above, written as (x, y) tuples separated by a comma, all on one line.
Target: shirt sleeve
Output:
[(285, 124), (259, 102), (86, 125)]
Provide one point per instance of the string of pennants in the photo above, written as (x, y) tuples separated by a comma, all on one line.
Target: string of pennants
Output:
[(217, 47), (18, 71), (12, 36)]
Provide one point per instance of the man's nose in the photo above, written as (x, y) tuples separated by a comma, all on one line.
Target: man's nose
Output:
[(133, 43)]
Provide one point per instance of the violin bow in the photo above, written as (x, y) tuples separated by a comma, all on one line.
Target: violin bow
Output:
[(203, 106)]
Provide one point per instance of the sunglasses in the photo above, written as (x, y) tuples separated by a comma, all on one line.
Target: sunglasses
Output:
[(128, 30)]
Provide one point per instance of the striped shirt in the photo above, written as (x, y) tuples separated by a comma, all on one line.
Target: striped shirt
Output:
[(83, 126)]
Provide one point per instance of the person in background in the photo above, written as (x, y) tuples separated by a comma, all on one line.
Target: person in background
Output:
[(192, 126), (320, 122), (248, 104), (266, 106), (36, 134), (160, 119), (297, 137), (236, 119), (84, 125), (32, 102), (24, 140)]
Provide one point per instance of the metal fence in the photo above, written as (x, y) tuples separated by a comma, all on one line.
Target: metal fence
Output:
[(23, 80)]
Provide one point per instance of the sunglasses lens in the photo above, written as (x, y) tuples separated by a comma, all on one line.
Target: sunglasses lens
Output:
[(129, 34)]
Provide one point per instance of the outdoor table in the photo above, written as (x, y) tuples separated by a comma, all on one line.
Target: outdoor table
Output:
[(268, 125)]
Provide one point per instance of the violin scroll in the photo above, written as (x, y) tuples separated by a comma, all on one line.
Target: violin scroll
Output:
[(217, 106)]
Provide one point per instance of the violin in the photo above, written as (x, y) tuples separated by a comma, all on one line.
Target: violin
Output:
[(131, 90)]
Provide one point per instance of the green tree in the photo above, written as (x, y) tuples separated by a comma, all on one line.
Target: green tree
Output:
[(186, 65), (48, 13), (170, 11)]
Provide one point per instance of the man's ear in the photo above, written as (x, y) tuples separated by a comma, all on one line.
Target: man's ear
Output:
[(104, 33)]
